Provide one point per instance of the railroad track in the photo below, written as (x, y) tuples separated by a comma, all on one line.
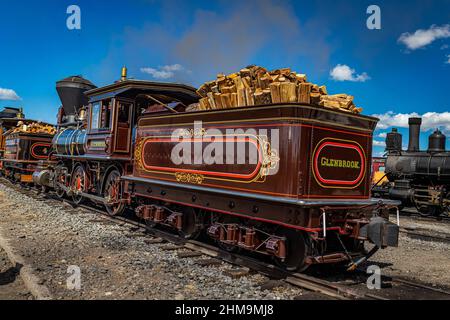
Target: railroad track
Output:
[(413, 214), (193, 248)]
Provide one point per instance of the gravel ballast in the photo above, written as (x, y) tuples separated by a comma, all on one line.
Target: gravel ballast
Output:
[(114, 263), (117, 263)]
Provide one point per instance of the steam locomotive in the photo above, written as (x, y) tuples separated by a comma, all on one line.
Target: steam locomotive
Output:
[(22, 145), (418, 178), (303, 198)]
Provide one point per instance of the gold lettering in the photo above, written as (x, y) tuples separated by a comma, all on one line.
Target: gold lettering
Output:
[(338, 163)]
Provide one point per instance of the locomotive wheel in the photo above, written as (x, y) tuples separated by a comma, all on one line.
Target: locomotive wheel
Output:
[(189, 229), (60, 192), (296, 250), (45, 189), (78, 184), (427, 211), (113, 190), (60, 178)]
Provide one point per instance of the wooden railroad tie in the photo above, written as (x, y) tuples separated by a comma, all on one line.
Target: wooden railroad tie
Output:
[(172, 248), (189, 254), (154, 241), (208, 262), (237, 273)]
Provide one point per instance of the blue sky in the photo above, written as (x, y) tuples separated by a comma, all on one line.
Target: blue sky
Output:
[(398, 70)]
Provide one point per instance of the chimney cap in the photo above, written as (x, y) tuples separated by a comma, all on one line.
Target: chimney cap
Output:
[(415, 120)]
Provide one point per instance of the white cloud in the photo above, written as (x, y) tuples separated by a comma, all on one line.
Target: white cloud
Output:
[(382, 135), (448, 59), (430, 120), (8, 94), (343, 72), (377, 143), (421, 38), (163, 72)]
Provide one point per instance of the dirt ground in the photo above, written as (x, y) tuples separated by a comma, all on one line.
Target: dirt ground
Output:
[(11, 284), (114, 262), (117, 263), (427, 261)]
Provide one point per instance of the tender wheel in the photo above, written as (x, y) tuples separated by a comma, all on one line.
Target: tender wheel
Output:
[(190, 228), (112, 192), (78, 184), (296, 250)]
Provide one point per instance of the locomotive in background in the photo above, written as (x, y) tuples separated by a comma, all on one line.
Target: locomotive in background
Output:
[(418, 178)]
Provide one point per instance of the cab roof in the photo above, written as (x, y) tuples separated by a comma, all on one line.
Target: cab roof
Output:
[(131, 88)]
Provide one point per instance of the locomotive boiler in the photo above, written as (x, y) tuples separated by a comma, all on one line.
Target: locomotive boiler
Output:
[(419, 178)]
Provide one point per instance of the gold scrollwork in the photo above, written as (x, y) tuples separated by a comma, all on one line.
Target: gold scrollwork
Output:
[(270, 158), (189, 177), (138, 153)]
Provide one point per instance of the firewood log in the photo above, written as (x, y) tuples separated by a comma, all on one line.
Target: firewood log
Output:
[(215, 89), (301, 78), (203, 90), (330, 104), (323, 90), (241, 101), (262, 97), (315, 98), (275, 92), (264, 81), (229, 89), (245, 73), (211, 101), (304, 92), (238, 83), (226, 100), (233, 100), (204, 105), (249, 97), (218, 101), (288, 92), (247, 82)]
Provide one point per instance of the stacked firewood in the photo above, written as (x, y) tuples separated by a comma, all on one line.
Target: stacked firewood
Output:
[(255, 85), (35, 127)]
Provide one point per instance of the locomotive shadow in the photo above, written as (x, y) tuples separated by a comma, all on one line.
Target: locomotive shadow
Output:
[(10, 275), (339, 274)]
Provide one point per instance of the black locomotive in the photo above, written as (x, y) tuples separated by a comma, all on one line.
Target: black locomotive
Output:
[(418, 178)]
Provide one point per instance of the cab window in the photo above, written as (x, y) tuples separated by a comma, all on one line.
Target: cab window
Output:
[(95, 115), (123, 114), (101, 115)]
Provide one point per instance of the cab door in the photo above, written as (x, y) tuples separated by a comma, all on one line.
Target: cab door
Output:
[(123, 124)]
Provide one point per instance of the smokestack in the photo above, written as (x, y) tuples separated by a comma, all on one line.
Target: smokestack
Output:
[(414, 132), (71, 93)]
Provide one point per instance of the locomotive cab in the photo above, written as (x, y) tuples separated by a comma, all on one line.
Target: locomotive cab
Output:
[(110, 124)]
